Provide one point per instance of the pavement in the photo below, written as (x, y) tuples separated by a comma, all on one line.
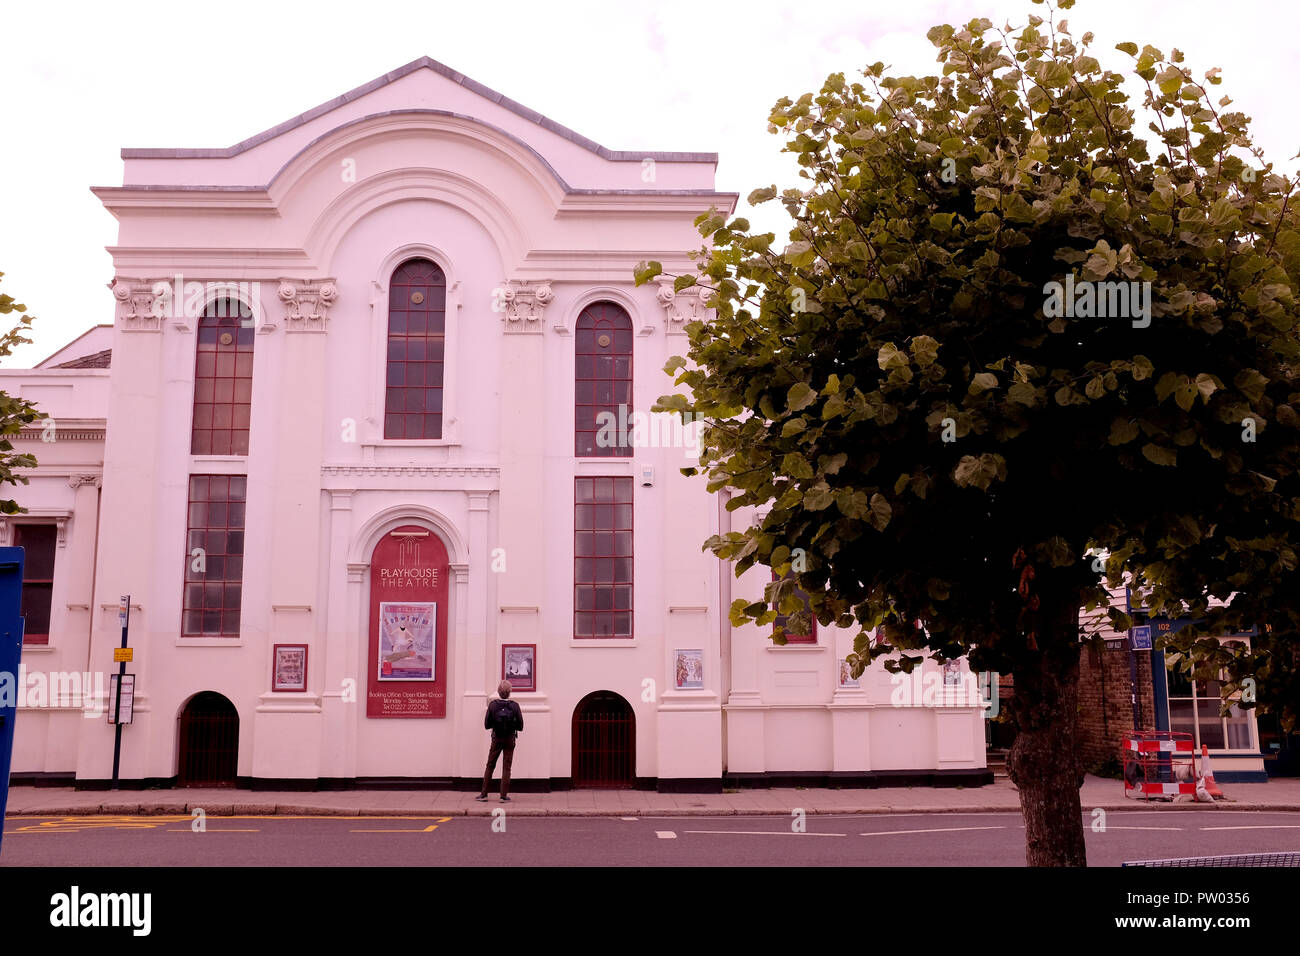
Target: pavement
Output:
[(1097, 792)]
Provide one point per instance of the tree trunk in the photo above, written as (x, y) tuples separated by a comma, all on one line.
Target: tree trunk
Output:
[(1043, 762)]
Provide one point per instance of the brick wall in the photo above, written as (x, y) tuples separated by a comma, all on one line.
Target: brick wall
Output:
[(1105, 702)]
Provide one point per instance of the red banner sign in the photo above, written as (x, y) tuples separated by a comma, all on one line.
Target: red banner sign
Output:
[(408, 625)]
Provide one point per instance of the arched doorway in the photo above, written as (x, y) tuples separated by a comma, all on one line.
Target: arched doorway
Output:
[(207, 742), (604, 742)]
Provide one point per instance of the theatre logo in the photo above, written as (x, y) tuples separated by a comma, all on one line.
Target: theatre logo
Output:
[(76, 909)]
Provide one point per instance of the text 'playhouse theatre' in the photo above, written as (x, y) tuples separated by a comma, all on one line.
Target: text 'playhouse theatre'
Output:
[(355, 469)]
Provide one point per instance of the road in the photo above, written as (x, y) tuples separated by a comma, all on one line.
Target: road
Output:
[(933, 839)]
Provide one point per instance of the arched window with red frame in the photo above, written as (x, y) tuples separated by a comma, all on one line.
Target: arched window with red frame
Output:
[(417, 327), (602, 382), (783, 620), (223, 380)]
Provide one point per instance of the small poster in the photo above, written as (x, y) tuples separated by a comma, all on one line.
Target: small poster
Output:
[(289, 672), (846, 675), (519, 665), (127, 705), (406, 640), (688, 667), (952, 673)]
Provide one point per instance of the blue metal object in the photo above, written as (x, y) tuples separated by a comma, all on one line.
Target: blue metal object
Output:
[(1141, 637), (11, 650)]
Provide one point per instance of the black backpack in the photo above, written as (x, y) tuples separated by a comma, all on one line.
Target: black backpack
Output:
[(503, 718)]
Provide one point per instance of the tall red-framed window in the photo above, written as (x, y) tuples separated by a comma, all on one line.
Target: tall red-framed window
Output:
[(782, 620), (602, 557), (223, 381), (37, 542), (417, 328), (214, 556), (602, 382)]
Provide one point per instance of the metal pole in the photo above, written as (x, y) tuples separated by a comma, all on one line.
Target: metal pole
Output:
[(117, 702)]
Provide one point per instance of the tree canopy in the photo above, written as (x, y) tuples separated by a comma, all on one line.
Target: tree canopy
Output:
[(1032, 308), (14, 412)]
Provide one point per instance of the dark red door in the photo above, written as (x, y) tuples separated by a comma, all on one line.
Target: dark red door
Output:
[(208, 742), (604, 742)]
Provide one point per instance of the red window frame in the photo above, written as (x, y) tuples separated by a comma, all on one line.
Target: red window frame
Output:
[(602, 379), (781, 619), (223, 381), (210, 603), (415, 367), (39, 542), (603, 545)]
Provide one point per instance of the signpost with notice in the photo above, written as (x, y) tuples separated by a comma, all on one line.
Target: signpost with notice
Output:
[(123, 686)]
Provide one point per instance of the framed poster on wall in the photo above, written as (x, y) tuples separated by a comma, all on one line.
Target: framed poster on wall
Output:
[(409, 613), (519, 665), (289, 667), (688, 669), (407, 640)]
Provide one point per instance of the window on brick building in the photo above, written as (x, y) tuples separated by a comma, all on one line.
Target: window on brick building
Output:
[(417, 324), (1194, 709), (37, 542), (602, 382), (223, 380), (214, 556), (783, 620), (602, 563)]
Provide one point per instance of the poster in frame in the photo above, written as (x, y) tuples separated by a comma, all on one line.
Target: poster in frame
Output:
[(846, 676), (519, 666), (688, 669), (407, 638), (289, 668)]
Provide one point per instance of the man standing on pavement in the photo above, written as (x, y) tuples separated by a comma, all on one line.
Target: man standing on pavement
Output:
[(505, 720)]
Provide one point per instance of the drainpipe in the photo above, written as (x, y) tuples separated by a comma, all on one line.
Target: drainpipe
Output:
[(94, 569), (724, 620)]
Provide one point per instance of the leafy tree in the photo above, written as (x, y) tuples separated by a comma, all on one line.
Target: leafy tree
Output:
[(949, 436), (14, 412)]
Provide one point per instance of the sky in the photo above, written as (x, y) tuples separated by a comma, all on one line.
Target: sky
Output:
[(80, 82)]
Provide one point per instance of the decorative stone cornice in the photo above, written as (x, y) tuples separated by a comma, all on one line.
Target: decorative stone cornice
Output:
[(52, 430), (522, 305), (306, 303), (680, 307), (411, 471), (76, 481), (35, 516)]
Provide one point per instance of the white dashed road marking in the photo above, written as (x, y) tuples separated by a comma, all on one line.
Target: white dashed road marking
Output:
[(936, 830), (766, 833), (666, 834)]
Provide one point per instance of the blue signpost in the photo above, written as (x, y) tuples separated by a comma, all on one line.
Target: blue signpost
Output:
[(11, 649)]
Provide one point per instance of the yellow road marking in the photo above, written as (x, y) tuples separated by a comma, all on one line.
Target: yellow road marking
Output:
[(386, 830), (152, 822)]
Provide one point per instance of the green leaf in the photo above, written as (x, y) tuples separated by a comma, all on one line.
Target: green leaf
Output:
[(1160, 456), (800, 396), (881, 512), (645, 271), (796, 466)]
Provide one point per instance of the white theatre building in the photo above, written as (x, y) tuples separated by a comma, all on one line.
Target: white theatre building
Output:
[(341, 447)]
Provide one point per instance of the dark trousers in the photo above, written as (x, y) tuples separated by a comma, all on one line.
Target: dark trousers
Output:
[(504, 747)]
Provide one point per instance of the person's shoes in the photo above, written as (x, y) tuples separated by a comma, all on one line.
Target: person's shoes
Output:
[(505, 799), (481, 796)]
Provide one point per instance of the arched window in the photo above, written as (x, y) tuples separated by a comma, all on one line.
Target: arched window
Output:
[(417, 324), (603, 382), (223, 380)]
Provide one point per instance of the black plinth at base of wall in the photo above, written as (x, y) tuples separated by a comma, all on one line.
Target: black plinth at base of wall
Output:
[(865, 780)]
